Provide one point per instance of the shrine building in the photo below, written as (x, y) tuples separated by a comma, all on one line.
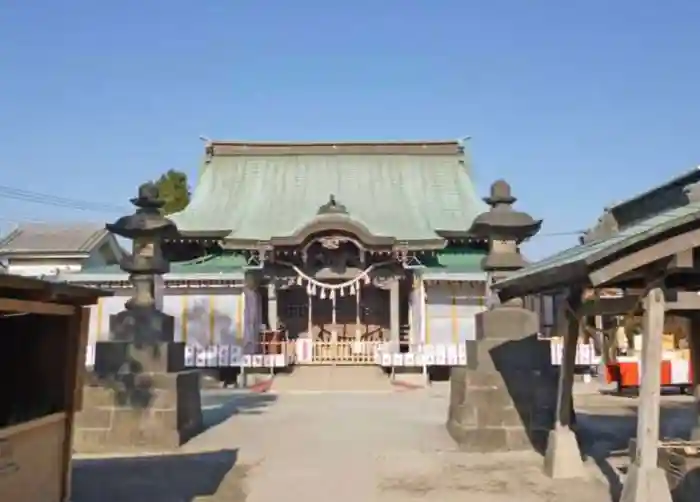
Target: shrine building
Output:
[(340, 247)]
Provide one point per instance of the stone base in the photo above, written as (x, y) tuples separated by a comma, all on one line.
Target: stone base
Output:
[(563, 458), (142, 412), (505, 399), (484, 417), (111, 357), (645, 485)]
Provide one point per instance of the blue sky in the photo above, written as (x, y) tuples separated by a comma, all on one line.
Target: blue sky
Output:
[(576, 103)]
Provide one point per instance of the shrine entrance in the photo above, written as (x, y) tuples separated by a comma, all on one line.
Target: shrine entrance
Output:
[(337, 298), (347, 329), (342, 327)]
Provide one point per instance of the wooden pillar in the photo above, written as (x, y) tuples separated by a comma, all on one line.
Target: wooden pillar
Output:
[(645, 481), (563, 457), (310, 326), (694, 346), (358, 313), (394, 309), (272, 320), (568, 362)]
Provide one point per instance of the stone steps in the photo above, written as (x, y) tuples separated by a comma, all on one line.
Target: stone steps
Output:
[(333, 379)]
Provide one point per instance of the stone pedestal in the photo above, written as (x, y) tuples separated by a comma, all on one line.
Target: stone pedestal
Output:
[(505, 398), (139, 398), (149, 412)]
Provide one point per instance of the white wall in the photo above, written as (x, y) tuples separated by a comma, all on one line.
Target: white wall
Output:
[(450, 311), (42, 268), (39, 267), (200, 319)]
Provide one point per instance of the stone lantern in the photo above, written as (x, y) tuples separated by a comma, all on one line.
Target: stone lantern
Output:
[(505, 229), (147, 228), (141, 335), (503, 399), (140, 396)]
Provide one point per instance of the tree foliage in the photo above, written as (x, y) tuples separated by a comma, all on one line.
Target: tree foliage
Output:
[(174, 191)]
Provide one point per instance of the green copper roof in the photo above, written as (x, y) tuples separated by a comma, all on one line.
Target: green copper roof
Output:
[(210, 265), (544, 274), (456, 260), (442, 264), (259, 197)]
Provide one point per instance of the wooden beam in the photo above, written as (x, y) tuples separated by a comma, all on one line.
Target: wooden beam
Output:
[(609, 306), (682, 260), (655, 252), (683, 300), (34, 307), (676, 300)]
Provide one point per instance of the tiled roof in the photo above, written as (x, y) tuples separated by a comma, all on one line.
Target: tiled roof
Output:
[(405, 191), (53, 238), (597, 250)]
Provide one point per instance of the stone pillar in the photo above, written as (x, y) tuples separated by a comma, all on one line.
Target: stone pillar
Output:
[(139, 397), (272, 315), (394, 309), (504, 399), (646, 481)]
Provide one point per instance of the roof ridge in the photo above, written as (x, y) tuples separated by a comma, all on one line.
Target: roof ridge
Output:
[(252, 148), (93, 239), (339, 143)]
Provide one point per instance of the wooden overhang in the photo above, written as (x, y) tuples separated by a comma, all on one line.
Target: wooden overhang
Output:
[(623, 260), (19, 294)]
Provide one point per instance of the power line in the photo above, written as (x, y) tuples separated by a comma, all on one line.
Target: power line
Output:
[(19, 194), (7, 192)]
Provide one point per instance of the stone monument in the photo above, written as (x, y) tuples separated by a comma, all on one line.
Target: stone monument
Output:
[(504, 399), (140, 397)]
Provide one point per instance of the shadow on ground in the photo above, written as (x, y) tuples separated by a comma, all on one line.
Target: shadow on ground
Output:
[(605, 438), (163, 478), (218, 406)]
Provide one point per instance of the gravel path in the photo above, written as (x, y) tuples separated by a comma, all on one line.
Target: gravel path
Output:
[(380, 446)]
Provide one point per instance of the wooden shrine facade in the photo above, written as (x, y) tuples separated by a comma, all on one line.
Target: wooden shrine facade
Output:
[(346, 307)]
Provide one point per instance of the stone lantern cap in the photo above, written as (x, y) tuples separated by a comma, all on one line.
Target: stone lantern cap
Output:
[(147, 221), (502, 221)]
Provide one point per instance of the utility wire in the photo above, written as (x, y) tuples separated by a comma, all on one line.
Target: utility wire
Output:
[(7, 192)]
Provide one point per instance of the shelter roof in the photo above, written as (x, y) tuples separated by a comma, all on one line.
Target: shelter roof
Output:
[(43, 238), (30, 288), (659, 214), (409, 191)]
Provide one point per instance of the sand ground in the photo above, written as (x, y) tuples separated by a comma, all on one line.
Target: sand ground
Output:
[(364, 441)]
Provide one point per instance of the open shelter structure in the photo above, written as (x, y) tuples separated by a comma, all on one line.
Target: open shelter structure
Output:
[(647, 247), (44, 329)]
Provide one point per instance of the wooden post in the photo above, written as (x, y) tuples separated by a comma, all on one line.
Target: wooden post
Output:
[(272, 320), (358, 313), (78, 330), (694, 349), (645, 481), (563, 457), (394, 309), (309, 317), (568, 362)]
